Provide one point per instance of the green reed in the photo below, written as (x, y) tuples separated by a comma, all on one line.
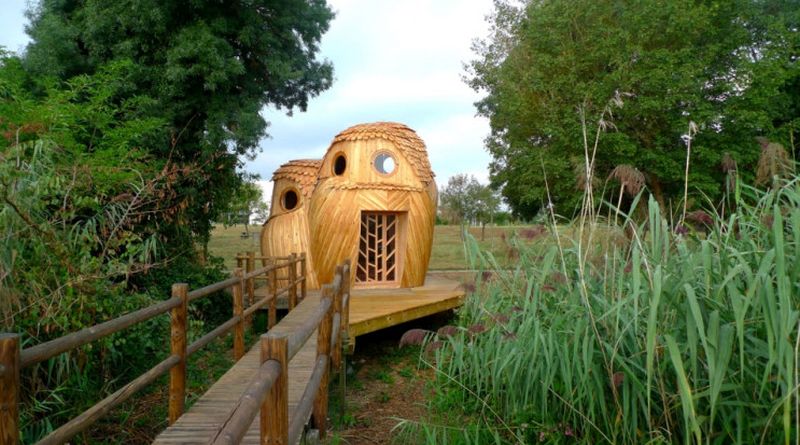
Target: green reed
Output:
[(672, 338)]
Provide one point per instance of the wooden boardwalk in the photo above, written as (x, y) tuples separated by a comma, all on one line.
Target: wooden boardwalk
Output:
[(200, 424), (370, 310)]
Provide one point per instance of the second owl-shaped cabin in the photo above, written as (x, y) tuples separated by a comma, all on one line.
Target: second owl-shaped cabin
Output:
[(286, 230), (374, 202)]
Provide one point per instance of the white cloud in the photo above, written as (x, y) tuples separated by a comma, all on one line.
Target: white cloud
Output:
[(455, 145), (394, 61), (12, 25), (381, 90), (266, 189)]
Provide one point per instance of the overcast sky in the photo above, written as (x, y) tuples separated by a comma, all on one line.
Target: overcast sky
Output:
[(393, 61)]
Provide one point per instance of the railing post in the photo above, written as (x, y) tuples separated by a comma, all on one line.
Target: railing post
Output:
[(238, 311), (345, 318), (251, 288), (344, 335), (303, 272), (336, 353), (275, 408), (273, 303), (320, 411), (177, 375), (292, 284), (9, 389), (239, 260)]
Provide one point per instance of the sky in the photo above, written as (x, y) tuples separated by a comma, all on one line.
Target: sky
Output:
[(393, 61)]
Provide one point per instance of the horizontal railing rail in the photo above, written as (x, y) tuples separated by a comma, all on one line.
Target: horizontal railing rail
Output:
[(13, 360)]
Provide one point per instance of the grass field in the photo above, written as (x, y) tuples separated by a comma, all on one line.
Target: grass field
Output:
[(448, 249)]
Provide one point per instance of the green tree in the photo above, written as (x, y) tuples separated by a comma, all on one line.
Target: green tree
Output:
[(247, 201), (465, 200), (204, 69), (487, 204), (550, 68)]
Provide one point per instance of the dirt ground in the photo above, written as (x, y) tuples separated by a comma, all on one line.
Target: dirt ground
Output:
[(384, 384)]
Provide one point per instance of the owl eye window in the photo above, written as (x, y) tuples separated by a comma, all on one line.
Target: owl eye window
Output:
[(339, 164), (289, 200), (384, 163)]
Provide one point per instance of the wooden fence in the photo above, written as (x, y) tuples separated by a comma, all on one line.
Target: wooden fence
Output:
[(12, 359), (267, 393)]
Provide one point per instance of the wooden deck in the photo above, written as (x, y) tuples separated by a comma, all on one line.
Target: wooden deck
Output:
[(375, 309), (370, 310)]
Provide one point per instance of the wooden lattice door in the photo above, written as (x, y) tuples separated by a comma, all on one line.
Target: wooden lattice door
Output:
[(377, 250)]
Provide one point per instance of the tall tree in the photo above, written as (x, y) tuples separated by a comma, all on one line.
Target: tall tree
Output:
[(550, 68), (204, 69)]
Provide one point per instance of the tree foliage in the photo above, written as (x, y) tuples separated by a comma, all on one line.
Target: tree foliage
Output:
[(122, 130), (204, 70), (549, 69), (80, 236)]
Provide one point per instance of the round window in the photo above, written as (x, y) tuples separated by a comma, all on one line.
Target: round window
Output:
[(384, 163), (339, 164), (289, 200)]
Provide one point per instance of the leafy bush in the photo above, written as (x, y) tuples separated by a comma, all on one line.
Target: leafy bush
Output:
[(674, 338), (90, 228)]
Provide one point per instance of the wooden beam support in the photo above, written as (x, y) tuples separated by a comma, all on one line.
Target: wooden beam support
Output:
[(303, 273), (336, 353), (292, 284), (346, 299), (275, 408), (251, 284), (177, 375), (319, 415), (9, 389), (238, 310), (272, 318)]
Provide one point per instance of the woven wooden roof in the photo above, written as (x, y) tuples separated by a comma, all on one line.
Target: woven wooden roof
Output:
[(406, 140), (303, 172)]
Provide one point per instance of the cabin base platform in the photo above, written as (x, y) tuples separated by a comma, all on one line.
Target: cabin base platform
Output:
[(375, 309)]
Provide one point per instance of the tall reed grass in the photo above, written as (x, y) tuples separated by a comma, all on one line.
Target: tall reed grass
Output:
[(673, 338)]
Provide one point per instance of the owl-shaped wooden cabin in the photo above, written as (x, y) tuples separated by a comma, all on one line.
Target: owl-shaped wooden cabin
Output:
[(286, 230), (374, 203)]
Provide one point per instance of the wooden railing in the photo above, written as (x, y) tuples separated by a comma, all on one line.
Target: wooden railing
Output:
[(267, 393), (12, 359), (248, 260)]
